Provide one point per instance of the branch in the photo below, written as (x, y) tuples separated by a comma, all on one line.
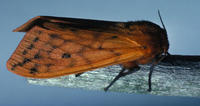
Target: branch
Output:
[(176, 75)]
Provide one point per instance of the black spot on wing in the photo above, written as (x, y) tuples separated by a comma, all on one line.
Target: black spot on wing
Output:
[(100, 47), (66, 55), (20, 64), (13, 67), (49, 51), (144, 47), (54, 46), (36, 39), (30, 47), (24, 52), (39, 32), (48, 65), (114, 37), (117, 54), (37, 56), (53, 35), (26, 60), (33, 70)]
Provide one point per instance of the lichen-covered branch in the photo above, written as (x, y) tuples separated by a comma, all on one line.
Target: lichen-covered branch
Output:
[(176, 75)]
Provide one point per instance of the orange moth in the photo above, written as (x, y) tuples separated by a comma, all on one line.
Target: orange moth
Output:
[(55, 46)]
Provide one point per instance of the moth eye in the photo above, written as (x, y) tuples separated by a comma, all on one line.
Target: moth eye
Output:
[(66, 55)]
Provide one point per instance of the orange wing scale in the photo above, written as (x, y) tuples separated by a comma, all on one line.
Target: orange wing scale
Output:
[(45, 53)]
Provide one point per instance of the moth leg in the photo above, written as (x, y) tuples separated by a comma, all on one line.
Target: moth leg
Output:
[(156, 61), (122, 73), (150, 74), (77, 75)]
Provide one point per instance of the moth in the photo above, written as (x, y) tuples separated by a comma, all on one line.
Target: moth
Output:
[(57, 46)]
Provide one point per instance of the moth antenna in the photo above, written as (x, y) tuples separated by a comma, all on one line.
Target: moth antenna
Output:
[(162, 21), (166, 52)]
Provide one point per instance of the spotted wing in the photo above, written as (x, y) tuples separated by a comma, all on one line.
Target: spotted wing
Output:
[(50, 51)]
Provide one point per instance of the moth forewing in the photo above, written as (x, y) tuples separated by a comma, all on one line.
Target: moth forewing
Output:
[(47, 59)]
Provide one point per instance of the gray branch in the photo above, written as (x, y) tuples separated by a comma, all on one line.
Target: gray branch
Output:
[(176, 75)]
